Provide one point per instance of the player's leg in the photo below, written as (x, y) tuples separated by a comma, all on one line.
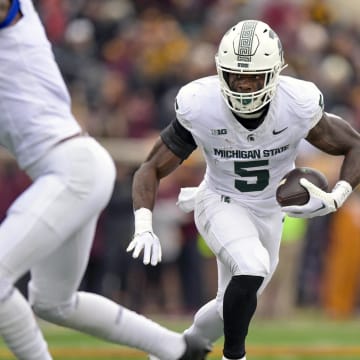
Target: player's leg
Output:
[(19, 328), (24, 240), (243, 263), (208, 322), (247, 288), (36, 224), (207, 325), (239, 305), (54, 296), (270, 230)]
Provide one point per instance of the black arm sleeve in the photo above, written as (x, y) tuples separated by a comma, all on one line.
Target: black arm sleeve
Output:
[(179, 140)]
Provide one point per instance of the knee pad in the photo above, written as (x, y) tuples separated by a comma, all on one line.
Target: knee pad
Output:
[(56, 313)]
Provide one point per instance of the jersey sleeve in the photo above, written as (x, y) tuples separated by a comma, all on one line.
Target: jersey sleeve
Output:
[(178, 139), (178, 135), (185, 106), (311, 104)]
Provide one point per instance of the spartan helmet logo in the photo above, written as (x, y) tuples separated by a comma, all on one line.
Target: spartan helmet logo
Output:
[(246, 44)]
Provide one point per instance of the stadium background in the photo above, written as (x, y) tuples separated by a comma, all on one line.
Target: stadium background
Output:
[(123, 62)]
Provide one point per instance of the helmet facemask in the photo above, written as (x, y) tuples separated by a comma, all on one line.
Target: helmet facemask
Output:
[(250, 48)]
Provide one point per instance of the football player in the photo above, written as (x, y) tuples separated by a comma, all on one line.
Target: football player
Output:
[(49, 229), (248, 121)]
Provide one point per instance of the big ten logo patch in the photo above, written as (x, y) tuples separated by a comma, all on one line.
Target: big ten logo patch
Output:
[(218, 131)]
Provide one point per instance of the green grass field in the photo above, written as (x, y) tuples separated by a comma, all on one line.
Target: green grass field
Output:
[(304, 337)]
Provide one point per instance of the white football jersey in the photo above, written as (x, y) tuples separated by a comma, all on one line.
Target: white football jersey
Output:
[(34, 102), (247, 165)]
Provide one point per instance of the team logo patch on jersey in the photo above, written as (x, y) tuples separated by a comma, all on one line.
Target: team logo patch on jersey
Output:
[(251, 137), (218, 131)]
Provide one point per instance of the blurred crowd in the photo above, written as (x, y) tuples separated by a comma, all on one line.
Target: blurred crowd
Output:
[(124, 61)]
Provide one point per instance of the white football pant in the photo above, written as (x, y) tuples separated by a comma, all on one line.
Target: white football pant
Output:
[(49, 230), (244, 244)]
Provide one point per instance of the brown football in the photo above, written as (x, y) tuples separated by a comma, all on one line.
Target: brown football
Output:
[(290, 192)]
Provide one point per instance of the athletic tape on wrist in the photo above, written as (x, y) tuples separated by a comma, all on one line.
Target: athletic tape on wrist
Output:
[(341, 192), (143, 220)]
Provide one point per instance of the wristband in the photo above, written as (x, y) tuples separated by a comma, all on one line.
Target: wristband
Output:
[(341, 192), (13, 11), (143, 220)]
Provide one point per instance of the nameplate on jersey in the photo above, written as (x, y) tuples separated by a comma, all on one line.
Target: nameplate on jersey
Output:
[(249, 154)]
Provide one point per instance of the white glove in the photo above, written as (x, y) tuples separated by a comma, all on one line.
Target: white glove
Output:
[(145, 239), (320, 202), (186, 199)]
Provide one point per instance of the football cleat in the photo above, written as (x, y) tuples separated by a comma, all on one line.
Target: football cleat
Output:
[(196, 348)]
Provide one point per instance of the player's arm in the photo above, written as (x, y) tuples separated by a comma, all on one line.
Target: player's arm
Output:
[(160, 162), (335, 136), (174, 144)]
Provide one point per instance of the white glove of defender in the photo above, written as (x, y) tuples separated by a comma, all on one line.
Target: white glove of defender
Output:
[(320, 202), (145, 239), (186, 198)]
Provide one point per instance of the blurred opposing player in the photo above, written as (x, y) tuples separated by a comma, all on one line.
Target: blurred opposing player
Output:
[(248, 121), (50, 227)]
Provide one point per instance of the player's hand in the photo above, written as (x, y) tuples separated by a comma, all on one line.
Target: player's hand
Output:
[(320, 202), (150, 244), (186, 199), (144, 239)]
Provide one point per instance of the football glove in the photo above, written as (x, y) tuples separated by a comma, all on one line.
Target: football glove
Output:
[(144, 238), (186, 198), (320, 202)]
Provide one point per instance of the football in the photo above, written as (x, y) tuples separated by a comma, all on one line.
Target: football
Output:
[(290, 192)]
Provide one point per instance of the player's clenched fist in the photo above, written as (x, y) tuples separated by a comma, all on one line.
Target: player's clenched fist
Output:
[(144, 239), (320, 202)]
